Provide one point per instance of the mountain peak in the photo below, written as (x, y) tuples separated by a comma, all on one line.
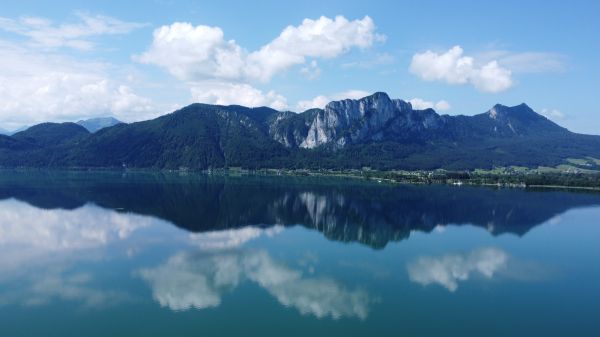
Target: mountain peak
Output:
[(519, 120), (520, 111), (96, 124), (379, 95)]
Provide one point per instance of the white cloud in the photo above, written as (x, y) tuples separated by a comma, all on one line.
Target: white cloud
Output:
[(322, 100), (311, 71), (223, 93), (200, 52), (449, 269), (454, 68), (219, 70), (44, 33), (552, 113), (195, 53), (321, 38), (188, 281), (421, 104), (317, 102), (38, 87)]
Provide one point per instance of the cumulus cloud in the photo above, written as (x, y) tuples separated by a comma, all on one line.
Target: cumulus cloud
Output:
[(322, 100), (44, 33), (450, 269), (454, 68), (220, 71), (321, 38), (421, 104), (38, 87), (188, 281), (194, 53), (224, 93)]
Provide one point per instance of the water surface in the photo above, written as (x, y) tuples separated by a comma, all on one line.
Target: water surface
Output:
[(140, 254)]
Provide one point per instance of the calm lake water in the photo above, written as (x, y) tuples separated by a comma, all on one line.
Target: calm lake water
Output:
[(122, 254)]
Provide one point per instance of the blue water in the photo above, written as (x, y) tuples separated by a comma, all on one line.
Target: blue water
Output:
[(112, 254)]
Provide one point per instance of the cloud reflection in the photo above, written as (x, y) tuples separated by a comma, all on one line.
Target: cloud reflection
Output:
[(448, 270), (231, 238), (89, 226), (199, 280), (58, 284), (41, 250)]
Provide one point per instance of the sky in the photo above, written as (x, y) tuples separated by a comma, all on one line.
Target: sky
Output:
[(135, 60)]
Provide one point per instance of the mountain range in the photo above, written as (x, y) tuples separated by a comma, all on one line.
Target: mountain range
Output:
[(374, 131), (92, 125)]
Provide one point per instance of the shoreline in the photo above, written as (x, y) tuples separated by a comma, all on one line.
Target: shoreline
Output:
[(392, 177)]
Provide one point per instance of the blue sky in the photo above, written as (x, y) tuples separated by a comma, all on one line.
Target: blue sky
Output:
[(67, 60)]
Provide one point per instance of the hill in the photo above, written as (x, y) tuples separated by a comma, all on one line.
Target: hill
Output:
[(374, 131)]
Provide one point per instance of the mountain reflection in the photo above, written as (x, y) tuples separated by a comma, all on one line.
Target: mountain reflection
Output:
[(349, 211), (42, 250)]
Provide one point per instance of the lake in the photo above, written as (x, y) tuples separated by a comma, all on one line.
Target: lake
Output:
[(167, 254)]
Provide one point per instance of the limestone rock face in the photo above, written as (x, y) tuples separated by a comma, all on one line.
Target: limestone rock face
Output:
[(372, 118)]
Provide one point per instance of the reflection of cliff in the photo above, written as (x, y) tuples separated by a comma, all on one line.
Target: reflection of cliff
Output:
[(342, 210)]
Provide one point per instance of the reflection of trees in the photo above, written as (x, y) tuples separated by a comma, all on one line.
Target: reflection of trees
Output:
[(342, 210)]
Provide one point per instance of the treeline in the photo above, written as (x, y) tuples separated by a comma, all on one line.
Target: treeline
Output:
[(528, 179)]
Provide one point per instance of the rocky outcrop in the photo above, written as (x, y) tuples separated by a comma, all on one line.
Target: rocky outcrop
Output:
[(372, 118), (378, 118), (346, 121)]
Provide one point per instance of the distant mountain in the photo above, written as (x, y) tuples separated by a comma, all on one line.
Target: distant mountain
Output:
[(10, 133), (95, 124), (374, 131)]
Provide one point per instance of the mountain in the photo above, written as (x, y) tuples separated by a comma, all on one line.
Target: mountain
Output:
[(374, 131), (51, 134), (95, 124), (10, 133)]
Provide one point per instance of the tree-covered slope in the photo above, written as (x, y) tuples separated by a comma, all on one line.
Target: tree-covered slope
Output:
[(375, 131)]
